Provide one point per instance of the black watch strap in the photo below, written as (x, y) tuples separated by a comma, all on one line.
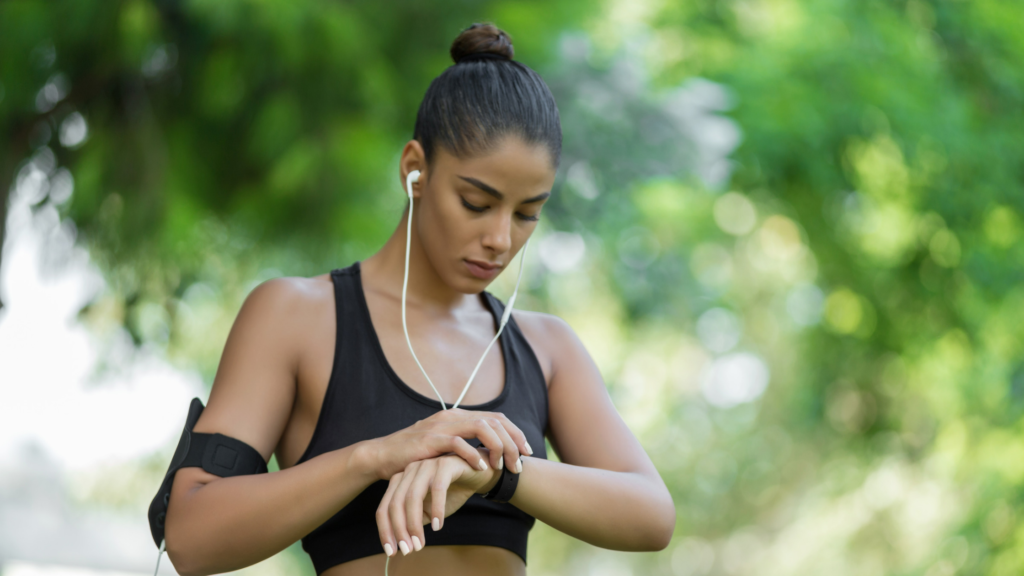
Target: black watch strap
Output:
[(505, 487)]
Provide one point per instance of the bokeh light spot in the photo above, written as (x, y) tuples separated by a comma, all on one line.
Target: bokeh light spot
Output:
[(735, 214), (843, 311), (73, 130), (719, 330), (735, 379), (562, 251)]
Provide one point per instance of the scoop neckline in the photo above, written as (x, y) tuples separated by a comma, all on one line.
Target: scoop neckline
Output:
[(397, 380)]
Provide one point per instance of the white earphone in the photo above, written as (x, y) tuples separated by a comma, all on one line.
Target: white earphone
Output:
[(414, 177)]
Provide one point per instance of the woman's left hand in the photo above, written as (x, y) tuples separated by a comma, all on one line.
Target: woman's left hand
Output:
[(427, 492)]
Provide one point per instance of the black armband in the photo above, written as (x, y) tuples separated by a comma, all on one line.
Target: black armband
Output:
[(216, 453)]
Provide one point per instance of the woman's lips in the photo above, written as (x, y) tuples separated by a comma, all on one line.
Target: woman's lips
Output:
[(481, 270)]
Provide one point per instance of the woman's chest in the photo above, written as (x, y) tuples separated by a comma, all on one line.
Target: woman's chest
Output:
[(364, 391)]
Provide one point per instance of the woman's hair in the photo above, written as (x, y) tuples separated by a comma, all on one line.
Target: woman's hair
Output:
[(485, 96)]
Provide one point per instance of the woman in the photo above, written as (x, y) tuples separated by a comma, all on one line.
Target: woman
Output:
[(318, 371)]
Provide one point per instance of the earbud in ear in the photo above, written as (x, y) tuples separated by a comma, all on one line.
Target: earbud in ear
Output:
[(413, 176)]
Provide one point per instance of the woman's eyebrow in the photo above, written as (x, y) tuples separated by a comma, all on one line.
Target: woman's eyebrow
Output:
[(490, 190)]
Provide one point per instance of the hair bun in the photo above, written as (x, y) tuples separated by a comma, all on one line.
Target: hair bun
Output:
[(482, 40)]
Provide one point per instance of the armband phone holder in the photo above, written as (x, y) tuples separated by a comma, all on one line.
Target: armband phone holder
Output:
[(216, 453)]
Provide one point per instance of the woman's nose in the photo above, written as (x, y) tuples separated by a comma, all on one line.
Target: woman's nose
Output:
[(498, 237)]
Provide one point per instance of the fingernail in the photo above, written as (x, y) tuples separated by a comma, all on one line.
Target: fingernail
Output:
[(389, 550), (519, 465), (482, 464), (501, 463), (528, 449), (416, 543), (435, 524), (403, 547)]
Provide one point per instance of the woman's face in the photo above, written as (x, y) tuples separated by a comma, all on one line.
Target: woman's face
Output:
[(474, 214)]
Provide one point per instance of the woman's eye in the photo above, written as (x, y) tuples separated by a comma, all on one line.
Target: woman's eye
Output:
[(472, 207), (520, 215)]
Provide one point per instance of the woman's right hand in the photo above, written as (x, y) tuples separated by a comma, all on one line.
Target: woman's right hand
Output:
[(445, 432)]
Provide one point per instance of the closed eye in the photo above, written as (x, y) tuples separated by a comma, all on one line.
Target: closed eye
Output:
[(476, 208), (473, 207)]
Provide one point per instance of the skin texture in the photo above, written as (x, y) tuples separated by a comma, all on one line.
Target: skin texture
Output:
[(278, 359)]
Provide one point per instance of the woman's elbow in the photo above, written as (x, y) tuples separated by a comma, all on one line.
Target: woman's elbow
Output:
[(657, 522), (178, 560), (653, 537), (180, 554), (664, 536), (663, 526)]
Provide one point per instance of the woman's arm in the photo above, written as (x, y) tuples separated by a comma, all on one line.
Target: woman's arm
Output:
[(615, 510), (605, 491), (219, 524)]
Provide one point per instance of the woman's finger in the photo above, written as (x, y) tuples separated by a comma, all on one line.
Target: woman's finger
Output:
[(510, 456), (439, 493), (514, 432), (396, 509), (387, 537), (480, 429), (414, 502), (456, 444)]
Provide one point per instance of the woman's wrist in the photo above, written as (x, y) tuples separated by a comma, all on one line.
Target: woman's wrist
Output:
[(365, 459), (492, 480)]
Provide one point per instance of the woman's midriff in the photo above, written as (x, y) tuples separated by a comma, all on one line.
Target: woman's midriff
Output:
[(437, 561)]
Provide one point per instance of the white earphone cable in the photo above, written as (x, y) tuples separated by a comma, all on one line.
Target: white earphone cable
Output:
[(412, 177), (501, 326), (415, 174), (159, 554)]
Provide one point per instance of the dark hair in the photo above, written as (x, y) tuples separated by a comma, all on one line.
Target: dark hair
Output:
[(484, 96)]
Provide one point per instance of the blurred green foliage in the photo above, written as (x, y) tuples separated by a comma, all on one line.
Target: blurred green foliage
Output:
[(823, 197)]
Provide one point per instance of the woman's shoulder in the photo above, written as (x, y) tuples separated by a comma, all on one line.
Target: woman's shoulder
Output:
[(293, 291), (292, 299), (540, 322), (547, 334)]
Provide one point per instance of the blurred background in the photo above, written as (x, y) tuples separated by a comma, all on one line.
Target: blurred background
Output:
[(789, 232)]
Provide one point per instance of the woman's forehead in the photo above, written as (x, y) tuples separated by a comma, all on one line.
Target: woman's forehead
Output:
[(511, 167)]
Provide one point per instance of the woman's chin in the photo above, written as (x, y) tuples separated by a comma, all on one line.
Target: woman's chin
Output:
[(468, 284)]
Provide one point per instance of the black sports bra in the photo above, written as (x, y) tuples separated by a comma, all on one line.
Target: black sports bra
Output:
[(366, 399)]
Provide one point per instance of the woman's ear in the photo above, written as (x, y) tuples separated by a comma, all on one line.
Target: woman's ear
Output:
[(413, 158)]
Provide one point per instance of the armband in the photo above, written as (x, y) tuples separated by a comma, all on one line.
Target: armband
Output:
[(215, 453)]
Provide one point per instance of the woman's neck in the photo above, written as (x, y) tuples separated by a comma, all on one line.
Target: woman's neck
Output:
[(427, 291)]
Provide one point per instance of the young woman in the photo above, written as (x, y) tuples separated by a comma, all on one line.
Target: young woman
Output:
[(319, 372)]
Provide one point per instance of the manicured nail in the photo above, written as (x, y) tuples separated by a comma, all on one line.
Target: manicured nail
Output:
[(482, 464), (529, 450), (389, 550), (501, 463), (435, 524), (416, 544), (403, 547), (519, 465)]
